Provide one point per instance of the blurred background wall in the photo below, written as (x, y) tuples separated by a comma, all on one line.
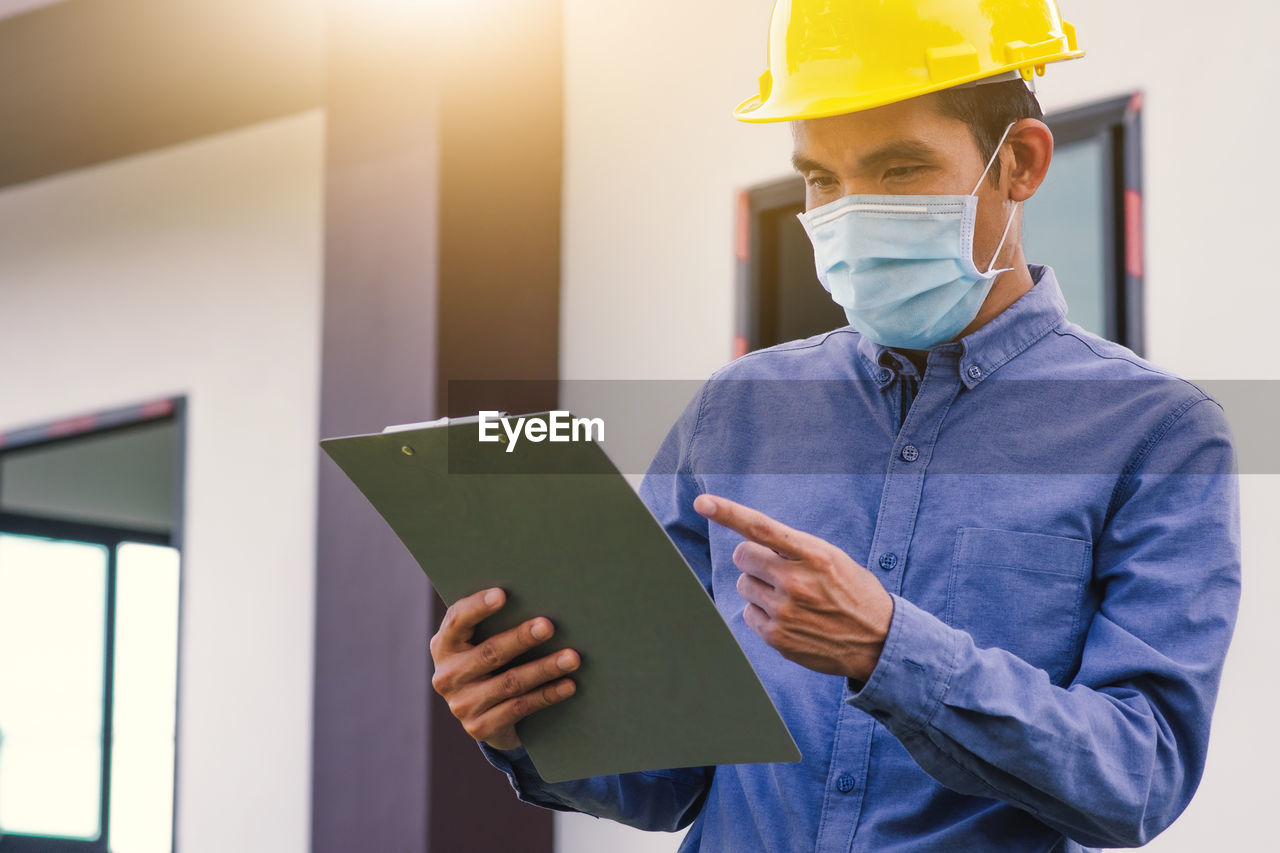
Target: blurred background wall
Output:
[(302, 216)]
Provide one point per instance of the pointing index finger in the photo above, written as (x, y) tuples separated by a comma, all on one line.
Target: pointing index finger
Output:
[(754, 525)]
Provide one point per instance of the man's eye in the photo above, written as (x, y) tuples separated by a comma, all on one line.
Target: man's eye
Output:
[(821, 182), (902, 171)]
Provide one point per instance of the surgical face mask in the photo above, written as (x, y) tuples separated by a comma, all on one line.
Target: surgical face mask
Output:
[(902, 266)]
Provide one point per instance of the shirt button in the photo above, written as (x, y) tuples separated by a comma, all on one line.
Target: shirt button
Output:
[(975, 372), (888, 560), (884, 375), (845, 784), (910, 453)]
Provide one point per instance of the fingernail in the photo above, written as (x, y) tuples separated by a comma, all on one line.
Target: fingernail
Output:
[(565, 689), (708, 506), (492, 597), (540, 630), (565, 661)]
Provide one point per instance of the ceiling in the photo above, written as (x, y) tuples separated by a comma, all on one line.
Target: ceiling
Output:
[(9, 8), (95, 80)]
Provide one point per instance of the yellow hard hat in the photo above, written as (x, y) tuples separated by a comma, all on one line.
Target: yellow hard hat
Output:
[(828, 57)]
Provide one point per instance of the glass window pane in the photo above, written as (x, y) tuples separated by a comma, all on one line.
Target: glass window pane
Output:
[(52, 630), (1064, 228), (117, 477), (144, 699)]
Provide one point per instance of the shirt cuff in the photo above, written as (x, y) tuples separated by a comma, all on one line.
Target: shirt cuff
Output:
[(906, 688), (524, 777), (513, 762)]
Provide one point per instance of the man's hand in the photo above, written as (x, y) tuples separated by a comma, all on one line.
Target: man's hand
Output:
[(490, 705), (805, 597)]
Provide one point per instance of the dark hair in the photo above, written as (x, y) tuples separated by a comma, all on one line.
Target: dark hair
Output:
[(988, 109)]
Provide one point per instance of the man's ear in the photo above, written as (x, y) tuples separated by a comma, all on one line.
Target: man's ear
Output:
[(1032, 144)]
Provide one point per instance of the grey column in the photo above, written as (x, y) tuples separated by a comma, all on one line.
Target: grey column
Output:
[(423, 140)]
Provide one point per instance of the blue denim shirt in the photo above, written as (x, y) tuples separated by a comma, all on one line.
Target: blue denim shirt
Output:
[(1057, 522)]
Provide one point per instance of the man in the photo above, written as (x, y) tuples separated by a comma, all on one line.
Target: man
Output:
[(986, 563)]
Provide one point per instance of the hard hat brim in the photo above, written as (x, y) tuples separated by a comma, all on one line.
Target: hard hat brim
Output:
[(777, 107)]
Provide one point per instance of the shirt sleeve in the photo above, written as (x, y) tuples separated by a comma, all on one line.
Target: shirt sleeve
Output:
[(660, 800), (1112, 758)]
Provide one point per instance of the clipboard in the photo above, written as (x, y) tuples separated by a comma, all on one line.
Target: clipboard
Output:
[(663, 684)]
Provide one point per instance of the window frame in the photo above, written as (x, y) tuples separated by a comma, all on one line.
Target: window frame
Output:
[(1117, 123), (111, 537)]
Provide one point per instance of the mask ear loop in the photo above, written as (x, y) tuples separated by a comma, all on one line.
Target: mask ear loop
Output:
[(994, 155), (1008, 225), (999, 248)]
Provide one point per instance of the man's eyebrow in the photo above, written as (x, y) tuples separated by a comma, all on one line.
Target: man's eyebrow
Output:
[(905, 149), (803, 164), (899, 149)]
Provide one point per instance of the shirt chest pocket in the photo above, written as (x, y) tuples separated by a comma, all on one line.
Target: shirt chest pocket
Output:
[(1022, 592)]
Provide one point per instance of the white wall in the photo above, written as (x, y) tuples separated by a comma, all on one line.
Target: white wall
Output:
[(196, 270), (653, 162), (1208, 167)]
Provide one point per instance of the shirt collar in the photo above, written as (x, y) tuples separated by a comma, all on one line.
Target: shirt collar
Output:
[(981, 353)]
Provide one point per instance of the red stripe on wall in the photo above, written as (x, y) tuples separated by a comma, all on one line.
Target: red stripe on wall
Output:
[(157, 409), (73, 426), (1133, 260), (1135, 104)]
